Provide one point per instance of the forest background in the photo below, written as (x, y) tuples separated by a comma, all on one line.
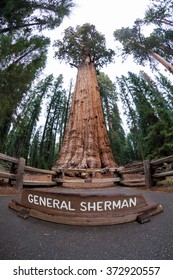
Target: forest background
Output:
[(34, 108)]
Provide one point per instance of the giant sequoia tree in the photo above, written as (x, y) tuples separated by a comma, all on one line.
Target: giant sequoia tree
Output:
[(158, 46), (86, 143)]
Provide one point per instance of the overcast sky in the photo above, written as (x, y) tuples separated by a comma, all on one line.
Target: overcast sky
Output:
[(107, 16)]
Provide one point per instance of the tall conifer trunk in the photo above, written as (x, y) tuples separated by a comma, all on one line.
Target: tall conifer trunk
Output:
[(86, 143)]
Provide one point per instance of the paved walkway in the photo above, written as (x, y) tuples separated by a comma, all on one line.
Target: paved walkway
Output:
[(36, 239)]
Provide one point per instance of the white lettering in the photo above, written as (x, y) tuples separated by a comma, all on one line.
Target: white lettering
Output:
[(30, 198), (132, 202), (36, 200), (42, 201), (70, 207), (49, 202), (116, 204), (83, 206), (100, 206), (124, 203), (64, 205), (107, 205), (91, 206), (56, 203)]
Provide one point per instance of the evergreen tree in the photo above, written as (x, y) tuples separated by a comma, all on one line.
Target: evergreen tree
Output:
[(112, 117), (125, 93), (54, 124), (30, 14), (158, 46), (131, 153), (33, 159), (23, 54), (18, 71), (151, 121), (20, 135), (166, 87)]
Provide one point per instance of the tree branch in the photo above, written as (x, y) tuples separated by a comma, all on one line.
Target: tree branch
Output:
[(73, 65), (7, 29)]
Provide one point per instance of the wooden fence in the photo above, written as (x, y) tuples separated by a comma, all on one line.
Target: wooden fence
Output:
[(151, 171), (159, 170), (21, 175), (147, 173), (87, 175)]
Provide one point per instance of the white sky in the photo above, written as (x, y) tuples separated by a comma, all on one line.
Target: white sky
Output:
[(107, 16)]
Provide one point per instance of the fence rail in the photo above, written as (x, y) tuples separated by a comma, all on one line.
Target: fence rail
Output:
[(150, 172), (21, 175)]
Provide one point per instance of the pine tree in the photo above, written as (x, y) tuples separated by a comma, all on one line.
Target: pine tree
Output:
[(150, 120), (18, 140), (126, 94), (158, 46), (27, 14), (23, 62), (22, 51), (33, 158), (112, 117), (56, 107)]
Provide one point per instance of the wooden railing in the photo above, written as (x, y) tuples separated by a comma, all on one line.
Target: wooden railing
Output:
[(21, 175), (153, 171), (147, 173), (132, 174), (160, 169), (86, 175)]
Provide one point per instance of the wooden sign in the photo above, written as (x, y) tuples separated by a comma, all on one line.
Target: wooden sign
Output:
[(85, 207)]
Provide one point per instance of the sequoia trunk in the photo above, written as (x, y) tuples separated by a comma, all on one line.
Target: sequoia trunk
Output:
[(86, 143)]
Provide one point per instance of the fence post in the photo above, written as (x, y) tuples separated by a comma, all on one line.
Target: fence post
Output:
[(20, 173), (60, 175), (147, 172)]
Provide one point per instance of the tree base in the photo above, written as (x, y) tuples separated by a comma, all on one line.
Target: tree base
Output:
[(85, 207)]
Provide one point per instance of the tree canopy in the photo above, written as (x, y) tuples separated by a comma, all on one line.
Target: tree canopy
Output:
[(23, 52), (81, 43), (29, 14), (158, 45), (149, 115)]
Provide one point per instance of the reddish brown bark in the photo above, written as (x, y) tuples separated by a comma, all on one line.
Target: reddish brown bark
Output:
[(86, 143)]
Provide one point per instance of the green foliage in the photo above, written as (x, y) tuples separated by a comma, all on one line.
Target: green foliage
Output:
[(112, 117), (21, 49), (23, 54), (38, 144), (160, 12), (150, 120), (20, 135), (30, 14), (160, 41), (147, 103), (77, 44), (131, 152), (21, 62), (130, 38), (33, 157), (167, 90), (56, 108)]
